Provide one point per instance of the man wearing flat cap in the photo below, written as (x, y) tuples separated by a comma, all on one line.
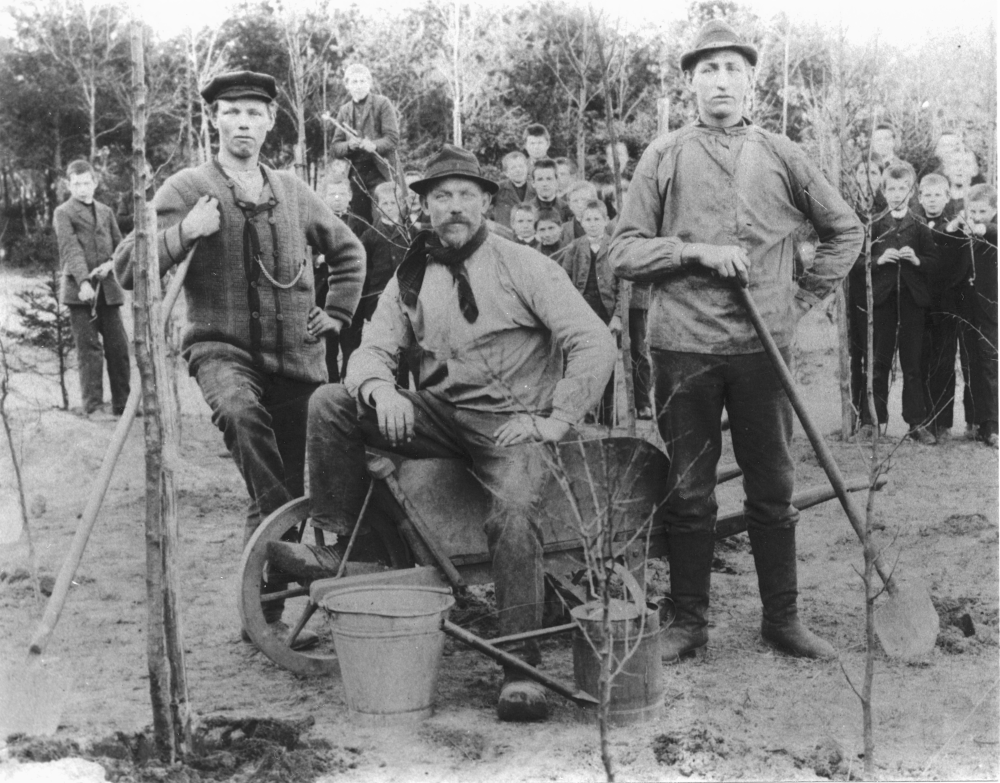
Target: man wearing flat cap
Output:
[(253, 338), (713, 206), (510, 358)]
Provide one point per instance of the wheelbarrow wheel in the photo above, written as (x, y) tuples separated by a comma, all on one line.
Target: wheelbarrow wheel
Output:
[(384, 547)]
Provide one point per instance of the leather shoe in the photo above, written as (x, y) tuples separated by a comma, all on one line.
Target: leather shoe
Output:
[(303, 561), (522, 700), (304, 641)]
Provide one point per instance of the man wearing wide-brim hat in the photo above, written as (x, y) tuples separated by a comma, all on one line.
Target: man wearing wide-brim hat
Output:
[(252, 339), (510, 358), (713, 206)]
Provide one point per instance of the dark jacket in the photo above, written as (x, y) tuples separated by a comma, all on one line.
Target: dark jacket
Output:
[(575, 259), (951, 280), (376, 122), (385, 247), (506, 199), (980, 255), (557, 204), (84, 244), (887, 232)]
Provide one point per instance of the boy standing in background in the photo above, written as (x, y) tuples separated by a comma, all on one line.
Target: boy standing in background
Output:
[(88, 235)]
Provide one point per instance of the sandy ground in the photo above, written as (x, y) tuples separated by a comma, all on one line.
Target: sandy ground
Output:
[(739, 711)]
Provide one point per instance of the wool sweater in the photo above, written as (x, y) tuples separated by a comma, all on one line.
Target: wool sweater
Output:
[(229, 298), (535, 347), (739, 186)]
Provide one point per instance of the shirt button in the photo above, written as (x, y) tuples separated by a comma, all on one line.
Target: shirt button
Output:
[(253, 283), (272, 221), (255, 314), (279, 317)]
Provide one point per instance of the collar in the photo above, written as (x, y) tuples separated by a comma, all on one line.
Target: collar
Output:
[(739, 127)]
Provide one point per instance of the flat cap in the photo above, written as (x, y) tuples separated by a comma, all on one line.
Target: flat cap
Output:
[(241, 84), (453, 161), (715, 35)]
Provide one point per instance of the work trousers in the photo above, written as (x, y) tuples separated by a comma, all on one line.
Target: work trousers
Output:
[(984, 377), (690, 391), (897, 312), (339, 430), (945, 332), (263, 422), (89, 326)]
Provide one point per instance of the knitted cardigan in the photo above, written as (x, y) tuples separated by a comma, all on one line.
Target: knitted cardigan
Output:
[(236, 305)]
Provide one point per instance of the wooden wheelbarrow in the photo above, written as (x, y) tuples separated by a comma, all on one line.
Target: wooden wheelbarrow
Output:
[(429, 513)]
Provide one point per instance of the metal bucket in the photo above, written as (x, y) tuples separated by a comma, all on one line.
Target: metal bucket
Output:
[(636, 688), (389, 644)]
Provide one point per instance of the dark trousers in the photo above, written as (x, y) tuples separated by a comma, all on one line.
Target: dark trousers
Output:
[(691, 390), (332, 361), (946, 332), (340, 429), (640, 357), (984, 377), (263, 422), (88, 330), (896, 313)]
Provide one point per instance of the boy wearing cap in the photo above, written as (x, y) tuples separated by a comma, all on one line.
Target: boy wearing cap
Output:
[(510, 358), (712, 206), (254, 336), (367, 135)]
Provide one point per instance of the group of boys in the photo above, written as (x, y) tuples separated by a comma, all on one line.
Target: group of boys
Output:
[(546, 207), (933, 292)]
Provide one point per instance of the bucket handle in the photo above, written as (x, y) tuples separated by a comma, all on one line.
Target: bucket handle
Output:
[(632, 586)]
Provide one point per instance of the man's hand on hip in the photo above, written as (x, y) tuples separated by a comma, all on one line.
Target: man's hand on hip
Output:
[(395, 415), (101, 272), (524, 428), (203, 220), (725, 260)]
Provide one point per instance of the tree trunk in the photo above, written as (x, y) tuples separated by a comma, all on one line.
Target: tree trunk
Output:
[(164, 649), (456, 111), (662, 116)]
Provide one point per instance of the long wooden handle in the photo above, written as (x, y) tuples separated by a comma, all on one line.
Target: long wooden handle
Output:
[(823, 453), (424, 531), (98, 490), (575, 695)]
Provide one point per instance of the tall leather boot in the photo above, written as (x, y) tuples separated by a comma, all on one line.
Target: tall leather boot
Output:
[(774, 557), (690, 558)]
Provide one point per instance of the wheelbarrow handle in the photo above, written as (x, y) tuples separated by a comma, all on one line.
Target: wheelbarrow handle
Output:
[(576, 696), (823, 453)]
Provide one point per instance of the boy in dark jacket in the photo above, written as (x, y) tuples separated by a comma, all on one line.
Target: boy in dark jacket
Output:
[(514, 188), (385, 245), (548, 233), (949, 316), (978, 223), (903, 253), (586, 262), (88, 235)]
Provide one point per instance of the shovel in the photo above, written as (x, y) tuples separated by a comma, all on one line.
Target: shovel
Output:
[(907, 624), (32, 695)]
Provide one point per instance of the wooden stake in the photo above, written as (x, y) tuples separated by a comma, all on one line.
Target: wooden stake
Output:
[(164, 649)]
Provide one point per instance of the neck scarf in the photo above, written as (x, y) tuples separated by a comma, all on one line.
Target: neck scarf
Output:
[(427, 248)]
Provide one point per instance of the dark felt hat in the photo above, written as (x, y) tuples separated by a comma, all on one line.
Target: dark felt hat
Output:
[(453, 161), (241, 84), (715, 35)]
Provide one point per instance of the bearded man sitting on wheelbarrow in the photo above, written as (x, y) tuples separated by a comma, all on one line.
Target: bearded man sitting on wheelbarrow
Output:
[(510, 358)]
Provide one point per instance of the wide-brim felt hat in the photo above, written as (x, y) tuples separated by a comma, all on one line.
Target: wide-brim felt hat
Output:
[(715, 35), (453, 161), (240, 84)]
